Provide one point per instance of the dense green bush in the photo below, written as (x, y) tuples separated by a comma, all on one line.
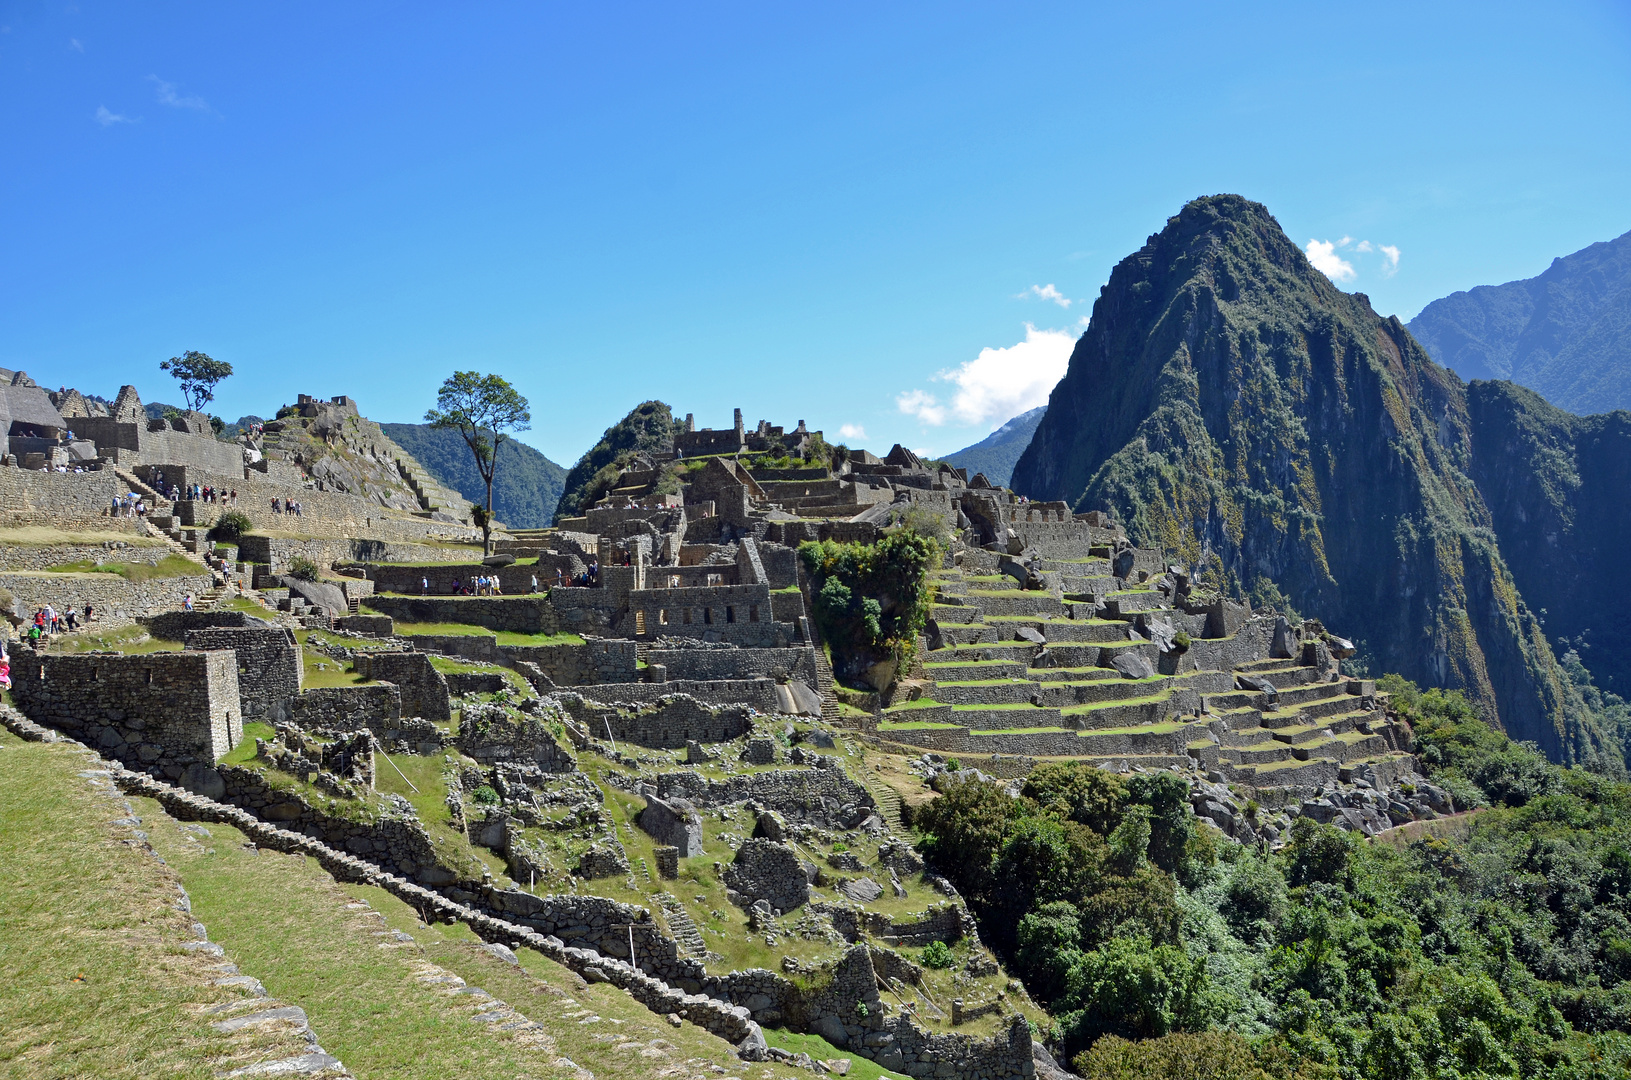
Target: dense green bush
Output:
[(1501, 949), (303, 568), (937, 954), (872, 600)]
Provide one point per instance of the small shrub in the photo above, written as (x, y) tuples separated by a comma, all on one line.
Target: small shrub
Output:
[(303, 568), (231, 526), (485, 795), (1181, 641), (861, 1010), (936, 954), (954, 764), (839, 845)]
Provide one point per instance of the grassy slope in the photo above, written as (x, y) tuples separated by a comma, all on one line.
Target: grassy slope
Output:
[(92, 979), (309, 940)]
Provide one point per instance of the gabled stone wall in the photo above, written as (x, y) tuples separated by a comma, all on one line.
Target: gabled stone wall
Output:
[(268, 661)]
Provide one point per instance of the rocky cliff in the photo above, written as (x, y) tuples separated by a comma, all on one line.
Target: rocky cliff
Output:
[(1231, 405)]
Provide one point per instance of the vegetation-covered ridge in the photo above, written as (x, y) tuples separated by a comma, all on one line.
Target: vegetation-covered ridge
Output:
[(526, 484), (1230, 405), (1496, 946), (647, 429)]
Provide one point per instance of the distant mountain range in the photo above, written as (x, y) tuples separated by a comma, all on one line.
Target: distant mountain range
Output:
[(996, 454), (1565, 334), (526, 485)]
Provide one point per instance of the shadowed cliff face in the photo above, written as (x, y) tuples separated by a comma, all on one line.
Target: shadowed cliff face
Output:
[(1231, 405), (1559, 492)]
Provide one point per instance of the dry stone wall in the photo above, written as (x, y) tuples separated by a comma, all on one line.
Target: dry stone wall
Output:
[(25, 558), (115, 600), (424, 690), (268, 661), (63, 500), (161, 713)]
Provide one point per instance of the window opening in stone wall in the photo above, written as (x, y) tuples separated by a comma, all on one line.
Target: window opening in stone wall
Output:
[(716, 579), (149, 674), (687, 619), (662, 616), (753, 613), (639, 622), (708, 616), (93, 675), (730, 613)]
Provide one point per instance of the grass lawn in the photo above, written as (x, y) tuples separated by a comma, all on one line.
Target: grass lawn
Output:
[(44, 536), (172, 565), (920, 703), (131, 640), (505, 637), (328, 948), (244, 752)]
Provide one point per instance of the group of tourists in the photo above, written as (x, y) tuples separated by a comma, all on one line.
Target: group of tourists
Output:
[(130, 505), (206, 493), (481, 585), (286, 506), (48, 620)]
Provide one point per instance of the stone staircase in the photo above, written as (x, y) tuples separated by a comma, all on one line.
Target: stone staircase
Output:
[(431, 495), (680, 926)]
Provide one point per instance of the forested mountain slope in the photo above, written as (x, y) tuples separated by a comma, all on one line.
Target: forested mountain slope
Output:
[(526, 484), (996, 454)]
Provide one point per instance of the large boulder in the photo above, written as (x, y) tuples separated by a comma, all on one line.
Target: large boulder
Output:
[(675, 823)]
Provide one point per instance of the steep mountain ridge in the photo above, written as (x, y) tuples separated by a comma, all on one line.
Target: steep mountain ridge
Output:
[(1565, 333), (996, 454), (1231, 405)]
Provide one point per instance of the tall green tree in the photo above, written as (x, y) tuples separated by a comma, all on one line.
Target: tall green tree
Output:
[(198, 374), (483, 409)]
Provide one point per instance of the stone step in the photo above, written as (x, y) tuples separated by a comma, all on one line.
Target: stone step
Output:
[(1017, 603), (985, 692), (967, 633), (996, 718), (942, 671), (1066, 694)]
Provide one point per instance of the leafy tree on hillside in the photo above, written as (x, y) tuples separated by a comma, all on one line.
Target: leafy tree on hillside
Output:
[(483, 409), (198, 374)]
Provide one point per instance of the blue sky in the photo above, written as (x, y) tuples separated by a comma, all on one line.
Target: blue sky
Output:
[(880, 218)]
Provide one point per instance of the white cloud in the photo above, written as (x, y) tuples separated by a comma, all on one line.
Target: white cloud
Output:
[(1364, 245), (999, 383), (1392, 253), (923, 405), (108, 119), (852, 431), (167, 96), (73, 43), (1047, 292), (1323, 254)]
